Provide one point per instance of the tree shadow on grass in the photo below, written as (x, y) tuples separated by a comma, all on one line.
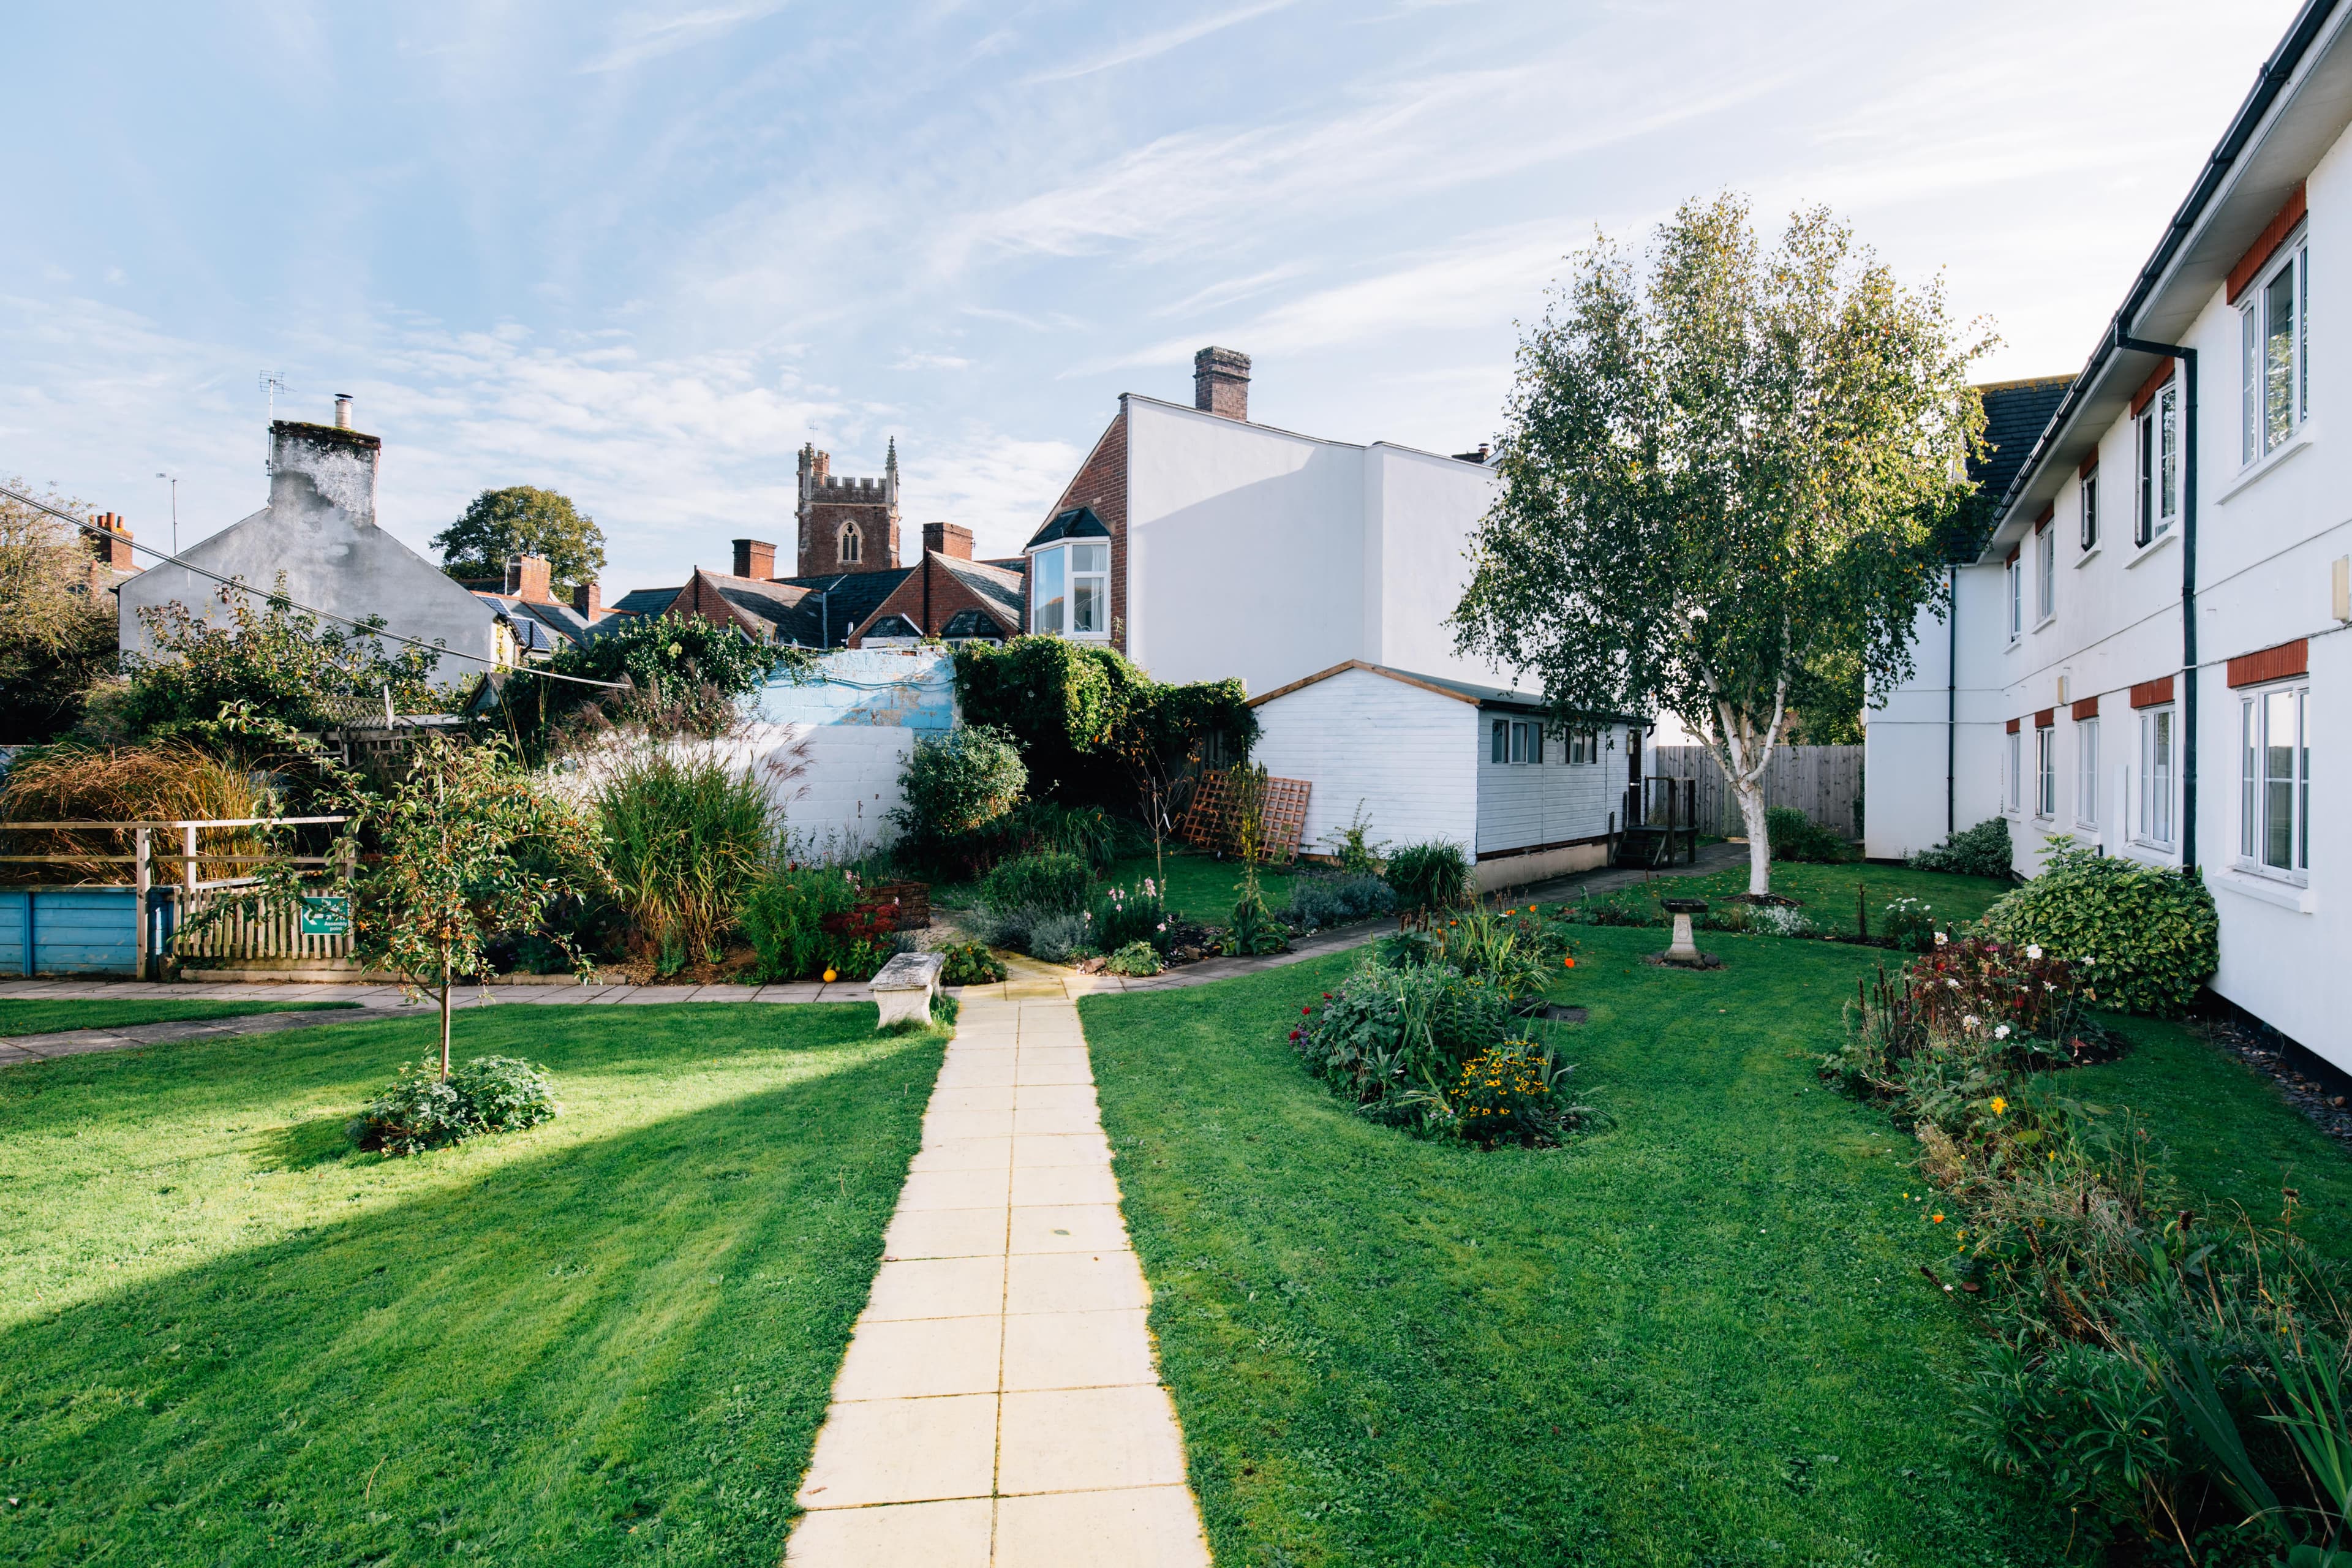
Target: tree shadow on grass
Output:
[(619, 1351)]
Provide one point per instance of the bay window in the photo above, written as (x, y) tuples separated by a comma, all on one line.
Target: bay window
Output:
[(2275, 335), (2275, 782), (1069, 589)]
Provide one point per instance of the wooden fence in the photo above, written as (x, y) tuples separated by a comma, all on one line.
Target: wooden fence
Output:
[(1822, 781)]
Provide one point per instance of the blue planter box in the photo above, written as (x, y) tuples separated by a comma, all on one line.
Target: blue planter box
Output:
[(69, 931)]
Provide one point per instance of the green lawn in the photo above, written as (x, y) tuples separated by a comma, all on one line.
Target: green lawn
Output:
[(1700, 1337), (37, 1017), (1827, 891), (228, 1338)]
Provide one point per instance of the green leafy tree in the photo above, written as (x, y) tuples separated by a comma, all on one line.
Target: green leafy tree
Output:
[(522, 520), (270, 658), (1723, 477), (56, 639), (470, 847), (675, 675)]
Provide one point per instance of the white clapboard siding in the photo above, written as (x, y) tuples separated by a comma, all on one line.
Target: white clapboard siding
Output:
[(1822, 781), (1408, 754), (1521, 804)]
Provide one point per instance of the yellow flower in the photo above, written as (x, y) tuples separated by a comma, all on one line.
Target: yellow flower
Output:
[(1999, 1106)]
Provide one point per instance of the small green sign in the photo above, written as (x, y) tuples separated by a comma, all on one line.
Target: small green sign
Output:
[(326, 915)]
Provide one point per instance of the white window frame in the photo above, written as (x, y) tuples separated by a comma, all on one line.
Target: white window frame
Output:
[(2086, 772), (2012, 774), (2045, 771), (2157, 819), (2045, 572), (849, 545), (1057, 565), (1498, 742), (2090, 533), (2259, 709), (2263, 429), (2017, 598)]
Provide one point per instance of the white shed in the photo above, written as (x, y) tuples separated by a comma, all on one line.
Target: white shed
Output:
[(1427, 757)]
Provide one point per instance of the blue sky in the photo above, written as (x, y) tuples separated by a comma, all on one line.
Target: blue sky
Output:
[(640, 253)]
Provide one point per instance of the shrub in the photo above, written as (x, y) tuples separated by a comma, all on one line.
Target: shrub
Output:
[(1909, 925), (1050, 882), (1125, 915), (420, 1110), (1391, 1040), (784, 914), (1779, 920), (1981, 851), (945, 1009), (1433, 876), (681, 675), (1085, 833), (2145, 937), (960, 790), (687, 836), (1353, 846), (1058, 936), (1795, 837), (1514, 1093), (1316, 901), (167, 781), (1513, 950), (970, 964), (1254, 930), (1137, 958), (861, 939)]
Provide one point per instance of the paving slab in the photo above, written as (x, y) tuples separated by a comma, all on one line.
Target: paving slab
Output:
[(1008, 1286)]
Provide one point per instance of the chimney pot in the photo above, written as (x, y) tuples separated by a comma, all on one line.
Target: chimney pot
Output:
[(111, 549), (342, 411), (527, 579), (755, 558), (1220, 383), (948, 539)]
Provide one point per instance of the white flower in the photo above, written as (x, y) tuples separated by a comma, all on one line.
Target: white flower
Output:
[(1953, 984), (1970, 1019), (1941, 939), (2001, 1033), (2049, 985), (2034, 950)]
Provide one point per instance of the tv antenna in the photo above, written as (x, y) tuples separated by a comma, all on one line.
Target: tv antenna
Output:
[(273, 382)]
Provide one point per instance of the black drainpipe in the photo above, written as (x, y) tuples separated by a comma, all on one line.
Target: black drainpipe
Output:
[(1951, 698), (2187, 357)]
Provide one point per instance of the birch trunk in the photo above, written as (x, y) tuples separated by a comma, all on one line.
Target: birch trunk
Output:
[(1749, 793)]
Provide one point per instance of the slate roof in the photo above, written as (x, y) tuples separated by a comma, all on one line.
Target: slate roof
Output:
[(542, 627), (1077, 522), (646, 601), (2015, 412), (1004, 590), (854, 597)]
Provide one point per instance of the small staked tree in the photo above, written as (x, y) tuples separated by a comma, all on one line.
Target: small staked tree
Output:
[(470, 847), (1722, 474)]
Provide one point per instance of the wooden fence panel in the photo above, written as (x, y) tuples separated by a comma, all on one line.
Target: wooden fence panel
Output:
[(1825, 783), (250, 932)]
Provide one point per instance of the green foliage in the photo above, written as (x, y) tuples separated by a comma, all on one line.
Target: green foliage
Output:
[(522, 520), (1795, 837), (686, 840), (792, 917), (1722, 477), (1087, 832), (423, 1108), (970, 964), (1515, 1092), (1353, 846), (1124, 916), (676, 675), (960, 790), (1430, 877), (1515, 950), (1392, 1039), (1089, 725), (1054, 935), (1050, 882), (1316, 901), (1252, 930), (264, 655), (1909, 924), (1979, 851), (1135, 959), (945, 1010), (57, 638), (2146, 937)]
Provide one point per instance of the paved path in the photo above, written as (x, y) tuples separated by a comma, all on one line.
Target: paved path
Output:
[(1000, 1405)]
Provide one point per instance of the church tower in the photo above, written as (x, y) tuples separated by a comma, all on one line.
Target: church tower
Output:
[(846, 524)]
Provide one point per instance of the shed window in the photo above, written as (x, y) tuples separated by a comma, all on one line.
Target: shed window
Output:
[(1500, 750), (1515, 741)]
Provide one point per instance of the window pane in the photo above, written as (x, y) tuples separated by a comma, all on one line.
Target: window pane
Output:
[(1086, 605), (2144, 525), (1051, 590), (2087, 772), (2090, 511), (2302, 334), (2278, 359), (2162, 777), (1501, 752), (2250, 400), (1090, 557), (2167, 466), (2278, 780), (2045, 565), (2303, 780), (2249, 777)]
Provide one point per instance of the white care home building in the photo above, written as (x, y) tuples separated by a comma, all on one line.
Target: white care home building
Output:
[(2153, 641), (1204, 546), (1426, 757)]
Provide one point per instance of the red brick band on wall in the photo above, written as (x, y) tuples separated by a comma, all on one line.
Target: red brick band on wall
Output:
[(2087, 707), (2012, 561), (2014, 724), (2150, 387), (2266, 244), (2046, 718), (2090, 465), (2152, 694), (2048, 511), (2271, 663)]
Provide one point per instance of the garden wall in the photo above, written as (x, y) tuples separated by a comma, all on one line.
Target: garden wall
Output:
[(1822, 781), (829, 748)]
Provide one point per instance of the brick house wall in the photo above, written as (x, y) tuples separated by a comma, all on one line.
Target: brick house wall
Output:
[(1101, 483), (948, 596)]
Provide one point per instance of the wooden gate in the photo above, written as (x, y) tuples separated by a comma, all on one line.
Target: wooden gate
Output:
[(1823, 781)]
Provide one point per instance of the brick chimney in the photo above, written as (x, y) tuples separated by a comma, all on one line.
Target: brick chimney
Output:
[(114, 554), (948, 539), (1220, 383), (527, 579), (755, 558), (588, 600)]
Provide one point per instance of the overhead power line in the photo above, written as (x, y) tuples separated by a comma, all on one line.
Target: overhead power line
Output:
[(242, 587)]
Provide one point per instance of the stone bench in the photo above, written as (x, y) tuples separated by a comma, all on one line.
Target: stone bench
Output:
[(904, 988)]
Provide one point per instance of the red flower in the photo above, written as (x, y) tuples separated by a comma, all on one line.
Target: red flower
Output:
[(1308, 1012), (1295, 1033)]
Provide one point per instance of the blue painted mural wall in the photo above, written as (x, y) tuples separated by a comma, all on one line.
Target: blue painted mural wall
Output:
[(908, 689)]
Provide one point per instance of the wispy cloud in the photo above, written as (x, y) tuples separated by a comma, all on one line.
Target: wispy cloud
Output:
[(642, 36), (1159, 43)]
